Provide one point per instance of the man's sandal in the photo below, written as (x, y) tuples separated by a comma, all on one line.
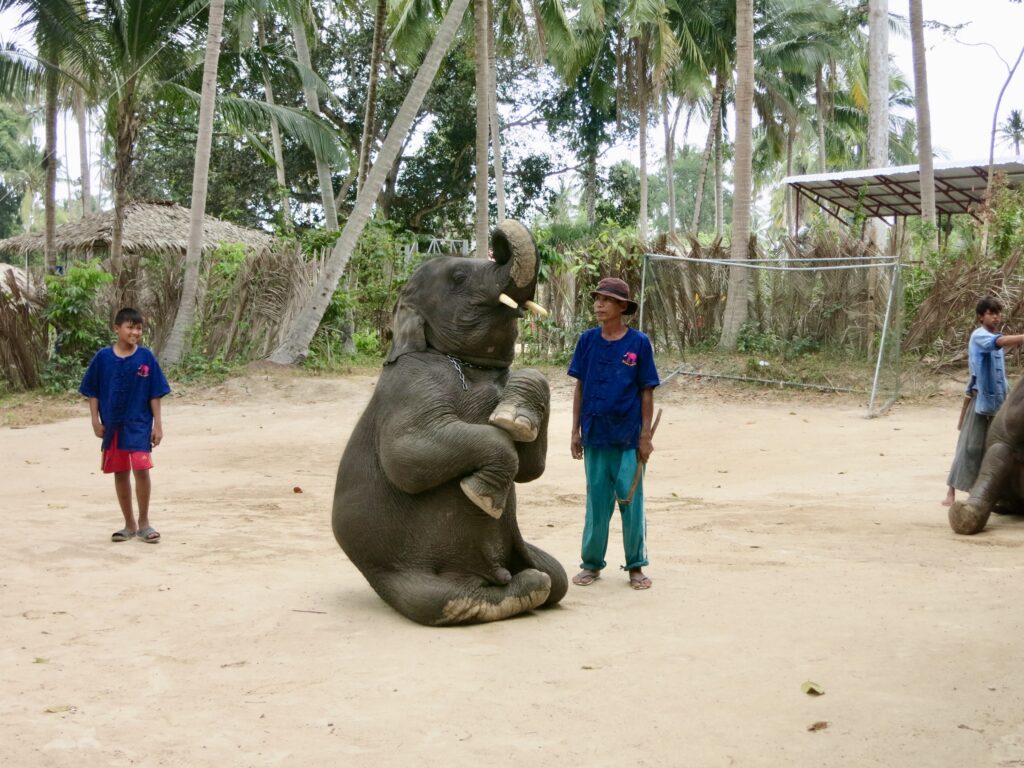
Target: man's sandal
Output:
[(123, 535), (586, 577), (149, 534), (639, 581)]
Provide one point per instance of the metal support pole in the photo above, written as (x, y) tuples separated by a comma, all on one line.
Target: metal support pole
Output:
[(894, 282)]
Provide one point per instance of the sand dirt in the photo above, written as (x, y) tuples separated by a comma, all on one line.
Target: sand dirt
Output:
[(790, 539)]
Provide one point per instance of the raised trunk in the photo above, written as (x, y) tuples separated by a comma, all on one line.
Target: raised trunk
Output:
[(296, 343), (275, 138), (495, 123), (182, 327), (736, 301), (716, 110), (50, 161), (370, 112), (323, 171), (82, 120), (924, 120), (480, 32)]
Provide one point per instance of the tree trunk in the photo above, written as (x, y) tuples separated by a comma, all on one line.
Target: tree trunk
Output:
[(719, 183), (590, 191), (370, 112), (495, 123), (924, 120), (642, 224), (716, 111), (50, 161), (82, 120), (323, 170), (878, 97), (172, 352), (482, 125), (296, 343), (736, 300), (275, 138), (670, 158), (819, 111), (127, 127)]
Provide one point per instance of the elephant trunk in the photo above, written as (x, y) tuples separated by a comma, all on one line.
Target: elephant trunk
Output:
[(516, 254)]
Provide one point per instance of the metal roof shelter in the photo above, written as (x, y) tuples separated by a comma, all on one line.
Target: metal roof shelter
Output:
[(895, 192)]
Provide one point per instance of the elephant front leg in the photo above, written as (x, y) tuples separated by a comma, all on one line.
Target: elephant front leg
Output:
[(452, 598), (969, 517), (523, 413)]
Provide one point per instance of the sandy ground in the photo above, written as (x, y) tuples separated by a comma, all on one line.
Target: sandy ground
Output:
[(791, 540)]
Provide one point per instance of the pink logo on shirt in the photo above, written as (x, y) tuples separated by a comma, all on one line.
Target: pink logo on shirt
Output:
[(143, 370), (629, 358)]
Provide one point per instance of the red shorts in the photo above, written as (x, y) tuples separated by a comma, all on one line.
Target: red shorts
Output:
[(116, 460)]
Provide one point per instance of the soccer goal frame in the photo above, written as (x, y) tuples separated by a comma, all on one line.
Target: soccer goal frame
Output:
[(889, 338)]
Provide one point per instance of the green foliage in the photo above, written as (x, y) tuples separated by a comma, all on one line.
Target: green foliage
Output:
[(1007, 222), (753, 339), (196, 367), (620, 201), (80, 329)]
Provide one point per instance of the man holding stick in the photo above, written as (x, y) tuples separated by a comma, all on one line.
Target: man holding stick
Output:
[(612, 430)]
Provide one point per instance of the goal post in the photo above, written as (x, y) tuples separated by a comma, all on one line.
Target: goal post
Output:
[(827, 323)]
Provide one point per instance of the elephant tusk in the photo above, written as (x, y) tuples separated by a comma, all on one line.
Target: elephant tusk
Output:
[(508, 301), (536, 308)]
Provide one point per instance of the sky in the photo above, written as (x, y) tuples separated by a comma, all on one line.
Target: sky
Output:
[(965, 75)]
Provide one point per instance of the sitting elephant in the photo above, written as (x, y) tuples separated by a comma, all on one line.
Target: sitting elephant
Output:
[(1000, 483), (425, 503)]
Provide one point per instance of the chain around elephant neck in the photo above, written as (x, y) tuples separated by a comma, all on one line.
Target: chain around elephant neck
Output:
[(458, 367)]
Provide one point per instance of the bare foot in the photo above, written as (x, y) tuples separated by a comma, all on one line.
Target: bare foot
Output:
[(950, 498)]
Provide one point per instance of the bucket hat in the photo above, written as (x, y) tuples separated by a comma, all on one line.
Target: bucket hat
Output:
[(615, 288)]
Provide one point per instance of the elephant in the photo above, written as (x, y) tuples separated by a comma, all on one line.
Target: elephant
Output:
[(424, 502), (1000, 483)]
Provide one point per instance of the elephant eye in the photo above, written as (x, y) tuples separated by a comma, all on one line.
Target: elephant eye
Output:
[(458, 278)]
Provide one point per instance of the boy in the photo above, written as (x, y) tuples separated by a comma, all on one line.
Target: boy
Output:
[(986, 391), (611, 429), (124, 385)]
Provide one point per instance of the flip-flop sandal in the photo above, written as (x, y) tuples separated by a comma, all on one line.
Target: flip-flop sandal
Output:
[(150, 535), (640, 581), (585, 578), (123, 535)]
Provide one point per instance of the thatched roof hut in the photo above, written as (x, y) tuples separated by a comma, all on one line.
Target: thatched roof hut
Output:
[(160, 228)]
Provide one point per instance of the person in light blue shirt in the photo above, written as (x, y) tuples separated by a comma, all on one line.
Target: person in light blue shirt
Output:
[(986, 390), (613, 405)]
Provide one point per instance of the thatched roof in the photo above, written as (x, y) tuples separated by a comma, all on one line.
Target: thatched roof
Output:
[(148, 228)]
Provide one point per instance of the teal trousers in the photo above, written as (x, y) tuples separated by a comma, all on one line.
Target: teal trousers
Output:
[(610, 474)]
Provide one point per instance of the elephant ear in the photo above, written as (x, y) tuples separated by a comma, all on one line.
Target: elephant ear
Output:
[(406, 331)]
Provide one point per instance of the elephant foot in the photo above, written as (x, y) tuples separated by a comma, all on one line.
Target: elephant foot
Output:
[(484, 496), (967, 519), (528, 589), (520, 424)]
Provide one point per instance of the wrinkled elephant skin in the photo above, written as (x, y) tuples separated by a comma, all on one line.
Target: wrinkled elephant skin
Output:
[(1000, 483), (425, 501)]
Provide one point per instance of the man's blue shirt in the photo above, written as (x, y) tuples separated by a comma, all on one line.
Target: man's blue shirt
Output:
[(988, 371), (124, 386), (613, 373)]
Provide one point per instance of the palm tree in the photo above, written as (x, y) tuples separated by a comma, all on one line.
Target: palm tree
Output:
[(736, 301), (924, 124), (481, 33), (296, 343), (1013, 130), (370, 112), (200, 174)]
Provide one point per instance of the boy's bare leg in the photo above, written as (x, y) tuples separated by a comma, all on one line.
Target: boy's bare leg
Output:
[(143, 487), (123, 487), (950, 497)]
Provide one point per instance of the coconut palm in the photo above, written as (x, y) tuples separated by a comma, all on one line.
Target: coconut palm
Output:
[(1012, 130), (296, 343), (924, 124), (736, 301), (187, 305)]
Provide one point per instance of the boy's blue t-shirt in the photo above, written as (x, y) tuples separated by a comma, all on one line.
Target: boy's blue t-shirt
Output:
[(124, 386), (612, 374), (988, 371)]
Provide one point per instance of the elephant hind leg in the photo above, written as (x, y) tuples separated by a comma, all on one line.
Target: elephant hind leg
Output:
[(447, 598), (542, 561)]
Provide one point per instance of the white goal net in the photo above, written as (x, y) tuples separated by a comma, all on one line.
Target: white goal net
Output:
[(823, 323)]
